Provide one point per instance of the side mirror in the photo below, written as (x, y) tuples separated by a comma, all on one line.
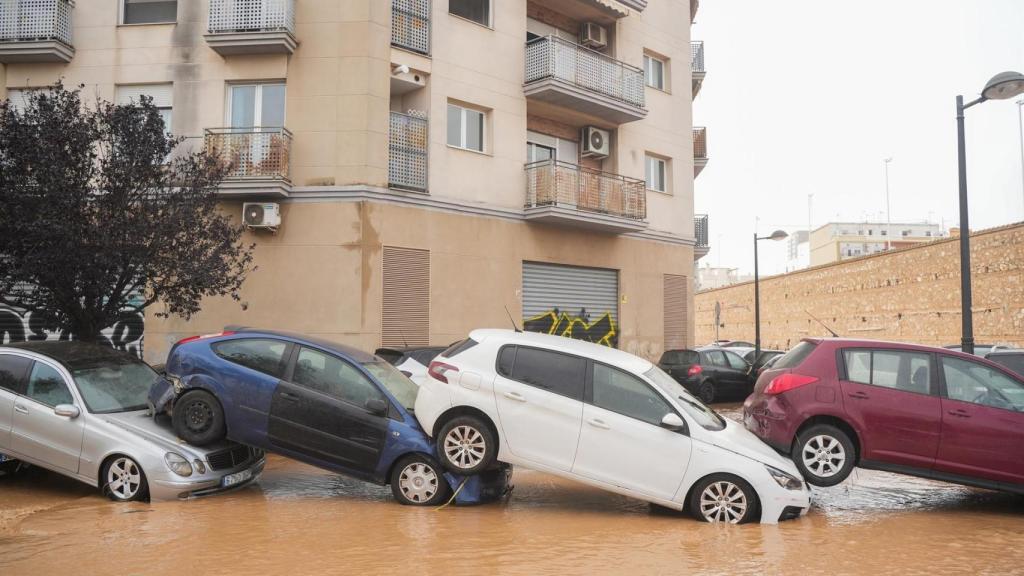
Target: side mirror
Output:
[(67, 410), (377, 407), (673, 422)]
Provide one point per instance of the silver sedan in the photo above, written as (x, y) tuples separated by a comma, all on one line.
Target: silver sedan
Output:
[(80, 410)]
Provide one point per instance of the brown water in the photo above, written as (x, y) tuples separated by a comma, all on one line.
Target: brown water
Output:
[(302, 520)]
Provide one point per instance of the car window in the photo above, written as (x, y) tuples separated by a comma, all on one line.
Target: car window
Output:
[(898, 370), (425, 357), (333, 376), (626, 394), (506, 358), (1014, 362), (796, 355), (403, 389), (735, 361), (717, 358), (12, 372), (261, 354), (392, 357), (46, 386), (694, 408), (552, 371), (976, 383), (749, 356), (459, 347), (111, 385)]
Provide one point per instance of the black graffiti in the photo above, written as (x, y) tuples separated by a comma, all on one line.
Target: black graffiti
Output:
[(602, 331), (126, 334)]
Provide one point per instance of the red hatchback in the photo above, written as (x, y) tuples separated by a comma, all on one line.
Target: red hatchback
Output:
[(834, 404)]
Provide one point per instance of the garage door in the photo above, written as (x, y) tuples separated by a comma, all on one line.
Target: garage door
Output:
[(573, 301)]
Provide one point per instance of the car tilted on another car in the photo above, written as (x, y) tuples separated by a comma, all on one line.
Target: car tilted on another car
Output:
[(603, 417), (80, 410), (835, 404)]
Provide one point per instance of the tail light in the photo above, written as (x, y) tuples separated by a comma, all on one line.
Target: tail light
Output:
[(786, 382), (440, 370), (694, 370), (201, 336)]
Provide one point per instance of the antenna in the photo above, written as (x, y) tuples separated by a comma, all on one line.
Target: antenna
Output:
[(830, 331), (514, 327), (404, 341)]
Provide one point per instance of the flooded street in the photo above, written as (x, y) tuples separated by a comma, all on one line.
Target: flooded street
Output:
[(303, 520)]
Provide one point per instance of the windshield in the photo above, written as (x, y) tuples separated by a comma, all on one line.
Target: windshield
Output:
[(403, 389), (115, 385), (706, 417)]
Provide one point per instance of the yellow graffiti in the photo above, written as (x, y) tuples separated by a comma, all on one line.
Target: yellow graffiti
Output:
[(601, 331)]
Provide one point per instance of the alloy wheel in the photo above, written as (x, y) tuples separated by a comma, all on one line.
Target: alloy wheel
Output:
[(723, 501), (124, 478), (464, 446), (418, 482), (824, 456)]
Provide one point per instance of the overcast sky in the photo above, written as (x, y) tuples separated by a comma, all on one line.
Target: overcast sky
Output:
[(809, 96)]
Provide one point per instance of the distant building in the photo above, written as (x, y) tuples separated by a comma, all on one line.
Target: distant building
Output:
[(710, 277), (842, 240), (798, 251)]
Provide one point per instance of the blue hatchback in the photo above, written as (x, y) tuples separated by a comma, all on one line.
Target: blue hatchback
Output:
[(319, 402)]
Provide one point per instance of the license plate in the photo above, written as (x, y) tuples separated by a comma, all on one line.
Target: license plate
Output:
[(236, 478)]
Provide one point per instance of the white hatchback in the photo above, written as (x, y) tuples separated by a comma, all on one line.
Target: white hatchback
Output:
[(603, 417)]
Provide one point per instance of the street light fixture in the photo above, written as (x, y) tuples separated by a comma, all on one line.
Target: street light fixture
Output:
[(1002, 86), (777, 235)]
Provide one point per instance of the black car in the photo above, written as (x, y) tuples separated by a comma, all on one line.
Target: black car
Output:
[(1012, 359), (710, 373), (757, 366)]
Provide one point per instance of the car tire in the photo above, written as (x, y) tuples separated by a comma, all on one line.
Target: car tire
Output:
[(123, 480), (198, 418), (418, 480), (724, 498), (467, 445), (824, 454), (10, 467), (706, 392)]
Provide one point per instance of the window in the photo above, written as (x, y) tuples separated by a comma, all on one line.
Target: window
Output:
[(465, 128), (796, 355), (539, 152), (626, 394), (898, 370), (717, 358), (162, 95), (256, 105), (403, 389), (680, 357), (263, 355), (458, 348), (12, 372), (149, 11), (735, 361), (656, 173), (976, 383), (47, 386), (478, 11), (552, 371), (335, 377), (654, 72), (1014, 362)]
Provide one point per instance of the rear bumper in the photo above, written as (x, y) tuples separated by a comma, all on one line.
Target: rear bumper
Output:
[(769, 420), (172, 488), (432, 400)]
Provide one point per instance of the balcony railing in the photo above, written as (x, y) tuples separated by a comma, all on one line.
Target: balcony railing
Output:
[(26, 25), (697, 57), (554, 183), (410, 25), (700, 230), (232, 16), (700, 143), (560, 59), (407, 160), (253, 153)]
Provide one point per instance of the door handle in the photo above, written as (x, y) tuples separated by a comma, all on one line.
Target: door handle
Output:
[(289, 396), (859, 396), (959, 413), (20, 409), (598, 423), (515, 396)]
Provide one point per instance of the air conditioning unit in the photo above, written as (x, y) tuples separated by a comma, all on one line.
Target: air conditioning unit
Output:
[(593, 35), (261, 215), (595, 142)]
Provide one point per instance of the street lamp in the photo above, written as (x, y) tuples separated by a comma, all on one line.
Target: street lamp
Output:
[(1002, 86), (777, 235)]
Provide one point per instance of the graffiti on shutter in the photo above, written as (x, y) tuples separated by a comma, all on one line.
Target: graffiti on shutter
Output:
[(571, 301), (19, 326), (405, 314), (675, 311)]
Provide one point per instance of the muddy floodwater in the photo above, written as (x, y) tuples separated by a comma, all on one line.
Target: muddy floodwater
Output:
[(301, 520)]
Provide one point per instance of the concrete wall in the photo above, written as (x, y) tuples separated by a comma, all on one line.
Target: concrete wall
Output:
[(909, 295)]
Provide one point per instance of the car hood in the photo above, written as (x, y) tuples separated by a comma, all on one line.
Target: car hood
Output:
[(737, 439), (141, 424)]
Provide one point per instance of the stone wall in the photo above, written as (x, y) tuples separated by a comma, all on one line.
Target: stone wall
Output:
[(911, 295)]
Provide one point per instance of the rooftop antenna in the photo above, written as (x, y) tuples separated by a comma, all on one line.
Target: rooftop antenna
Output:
[(830, 331), (405, 342), (514, 327)]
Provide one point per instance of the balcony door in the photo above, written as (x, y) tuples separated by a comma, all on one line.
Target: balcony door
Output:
[(255, 114)]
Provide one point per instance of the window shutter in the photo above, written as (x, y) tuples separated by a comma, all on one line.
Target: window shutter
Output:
[(160, 93), (405, 314), (675, 311)]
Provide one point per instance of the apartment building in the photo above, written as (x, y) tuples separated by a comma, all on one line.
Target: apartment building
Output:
[(412, 169), (837, 241)]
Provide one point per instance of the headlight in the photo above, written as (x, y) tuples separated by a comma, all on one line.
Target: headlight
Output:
[(785, 480), (177, 464)]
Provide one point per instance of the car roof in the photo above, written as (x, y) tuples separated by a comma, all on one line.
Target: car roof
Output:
[(613, 356), (351, 352), (71, 353), (1005, 352), (865, 343)]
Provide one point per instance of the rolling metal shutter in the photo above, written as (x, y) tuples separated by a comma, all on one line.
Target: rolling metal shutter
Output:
[(405, 306), (675, 311), (571, 301)]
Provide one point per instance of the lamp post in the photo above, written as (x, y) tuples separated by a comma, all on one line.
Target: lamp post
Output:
[(777, 235), (888, 218), (1002, 86)]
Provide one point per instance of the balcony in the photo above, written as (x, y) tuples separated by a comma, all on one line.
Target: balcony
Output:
[(694, 4), (572, 77), (567, 194), (700, 149), (697, 65), (700, 235), (259, 159), (35, 31), (410, 25), (252, 27), (407, 148)]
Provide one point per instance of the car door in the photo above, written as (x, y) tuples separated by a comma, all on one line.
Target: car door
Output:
[(890, 397), (40, 434), (622, 442), (739, 371), (321, 411), (13, 371), (982, 422), (253, 371), (539, 397)]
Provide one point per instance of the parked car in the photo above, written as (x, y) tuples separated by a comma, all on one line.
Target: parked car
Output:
[(737, 344), (980, 349), (709, 373), (411, 360), (931, 412), (1010, 358), (602, 417), (317, 401), (756, 366), (80, 410)]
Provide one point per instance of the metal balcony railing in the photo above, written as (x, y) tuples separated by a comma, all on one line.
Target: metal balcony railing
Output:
[(554, 183), (554, 57), (410, 25), (700, 230), (407, 147), (700, 143), (35, 20), (233, 16), (697, 57), (253, 153)]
